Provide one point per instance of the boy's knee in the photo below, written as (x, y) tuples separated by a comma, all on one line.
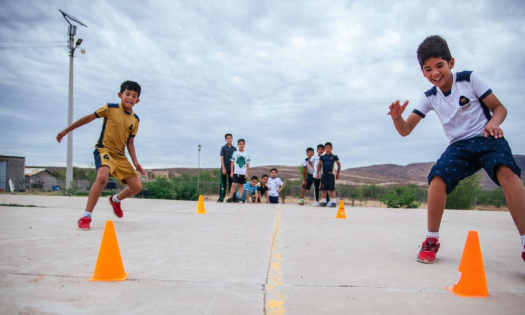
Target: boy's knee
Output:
[(135, 186), (102, 179), (503, 173)]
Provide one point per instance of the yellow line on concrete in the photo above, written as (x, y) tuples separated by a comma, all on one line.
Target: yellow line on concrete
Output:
[(273, 290)]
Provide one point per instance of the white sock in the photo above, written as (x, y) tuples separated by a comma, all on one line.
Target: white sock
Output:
[(433, 234), (115, 199), (324, 200), (87, 214), (523, 242)]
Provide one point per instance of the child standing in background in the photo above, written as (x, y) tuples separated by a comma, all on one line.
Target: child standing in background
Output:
[(240, 164), (275, 185)]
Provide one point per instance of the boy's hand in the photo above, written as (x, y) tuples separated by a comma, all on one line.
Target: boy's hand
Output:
[(336, 176), (396, 109), (61, 136), (139, 168), (303, 184), (223, 171), (492, 129)]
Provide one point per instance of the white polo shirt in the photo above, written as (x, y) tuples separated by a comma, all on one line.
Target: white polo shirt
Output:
[(310, 168), (461, 111)]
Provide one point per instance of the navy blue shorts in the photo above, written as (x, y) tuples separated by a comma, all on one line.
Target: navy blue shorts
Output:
[(309, 181), (328, 182), (273, 199), (465, 157)]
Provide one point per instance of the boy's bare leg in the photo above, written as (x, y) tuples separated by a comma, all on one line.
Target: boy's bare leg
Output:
[(437, 198), (303, 192), (134, 187), (324, 194), (241, 190), (514, 195), (332, 195), (97, 187), (232, 190)]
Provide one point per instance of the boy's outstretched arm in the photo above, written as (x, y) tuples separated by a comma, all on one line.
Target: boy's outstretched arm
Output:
[(318, 168), (131, 149), (499, 113), (338, 169), (304, 175), (403, 127), (79, 123)]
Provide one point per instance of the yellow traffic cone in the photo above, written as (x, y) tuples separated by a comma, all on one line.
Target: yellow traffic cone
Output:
[(109, 265), (341, 211), (200, 206), (471, 280)]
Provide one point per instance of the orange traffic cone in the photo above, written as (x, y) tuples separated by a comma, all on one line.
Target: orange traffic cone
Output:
[(109, 262), (341, 211), (471, 281), (200, 206)]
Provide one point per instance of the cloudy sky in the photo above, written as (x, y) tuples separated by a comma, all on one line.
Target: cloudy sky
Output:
[(284, 75)]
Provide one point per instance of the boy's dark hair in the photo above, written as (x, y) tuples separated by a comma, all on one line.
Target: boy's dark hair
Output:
[(228, 134), (328, 143), (254, 177), (264, 175), (130, 85), (310, 149), (274, 169), (239, 141), (433, 46), (320, 146)]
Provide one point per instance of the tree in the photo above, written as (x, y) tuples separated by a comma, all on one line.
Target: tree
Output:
[(464, 196)]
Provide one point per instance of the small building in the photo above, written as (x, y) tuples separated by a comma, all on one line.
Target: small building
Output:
[(39, 178), (12, 171)]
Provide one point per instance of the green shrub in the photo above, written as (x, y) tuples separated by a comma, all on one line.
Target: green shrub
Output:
[(464, 196), (400, 197)]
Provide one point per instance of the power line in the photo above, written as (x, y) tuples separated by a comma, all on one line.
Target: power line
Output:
[(24, 42), (29, 47)]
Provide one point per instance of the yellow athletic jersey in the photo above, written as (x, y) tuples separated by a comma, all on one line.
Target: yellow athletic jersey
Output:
[(117, 127)]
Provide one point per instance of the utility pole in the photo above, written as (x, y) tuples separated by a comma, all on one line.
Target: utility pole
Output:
[(71, 31)]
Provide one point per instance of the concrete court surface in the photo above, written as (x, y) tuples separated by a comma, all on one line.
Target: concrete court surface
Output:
[(249, 259)]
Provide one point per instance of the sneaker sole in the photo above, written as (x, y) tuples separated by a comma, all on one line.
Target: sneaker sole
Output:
[(83, 229), (425, 261), (114, 210)]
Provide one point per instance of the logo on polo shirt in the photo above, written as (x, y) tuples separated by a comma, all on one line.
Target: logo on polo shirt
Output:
[(131, 128), (463, 100), (106, 156)]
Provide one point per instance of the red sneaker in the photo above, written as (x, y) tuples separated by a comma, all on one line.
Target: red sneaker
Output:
[(523, 253), (83, 224), (116, 207), (428, 251)]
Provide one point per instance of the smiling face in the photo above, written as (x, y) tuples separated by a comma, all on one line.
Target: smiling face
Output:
[(264, 180), (437, 71), (128, 99), (309, 153), (253, 182), (328, 149), (320, 151), (273, 174)]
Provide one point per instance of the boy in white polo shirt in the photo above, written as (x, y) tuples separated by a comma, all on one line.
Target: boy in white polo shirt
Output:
[(308, 171), (470, 115)]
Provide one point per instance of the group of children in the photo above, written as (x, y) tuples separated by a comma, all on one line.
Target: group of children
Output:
[(312, 165), (235, 166), (468, 110)]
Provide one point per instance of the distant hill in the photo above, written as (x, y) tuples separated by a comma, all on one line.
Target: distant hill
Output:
[(381, 175)]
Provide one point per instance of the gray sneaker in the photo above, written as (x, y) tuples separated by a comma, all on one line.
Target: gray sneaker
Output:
[(332, 205), (323, 204)]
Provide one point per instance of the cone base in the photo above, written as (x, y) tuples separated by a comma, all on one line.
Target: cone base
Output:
[(466, 295), (123, 278)]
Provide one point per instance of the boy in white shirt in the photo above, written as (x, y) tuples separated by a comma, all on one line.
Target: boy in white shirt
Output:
[(240, 164), (275, 185)]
